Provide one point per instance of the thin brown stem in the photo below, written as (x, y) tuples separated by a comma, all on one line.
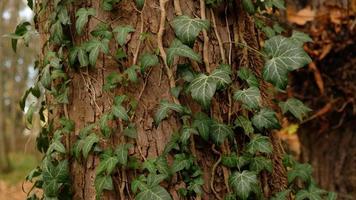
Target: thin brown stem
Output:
[(206, 38), (221, 47)]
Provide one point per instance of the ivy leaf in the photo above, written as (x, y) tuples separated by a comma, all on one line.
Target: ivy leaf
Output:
[(122, 153), (57, 146), (82, 16), (243, 183), (103, 124), (248, 76), (284, 55), (179, 49), (221, 76), (102, 30), (250, 97), (162, 166), (88, 144), (265, 119), (122, 32), (259, 143), (94, 46), (148, 60), (181, 161), (140, 4), (248, 6), (120, 112), (187, 29), (130, 131), (313, 193), (21, 31), (296, 107), (155, 179), (107, 5), (164, 109), (245, 124), (219, 132), (132, 73), (154, 193), (107, 165), (300, 37), (202, 89), (202, 124), (186, 133), (261, 163), (233, 160), (102, 183), (302, 171), (281, 195), (81, 54), (46, 77)]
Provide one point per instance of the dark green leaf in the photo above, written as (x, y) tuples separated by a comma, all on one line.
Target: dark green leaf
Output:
[(259, 143), (82, 16), (177, 48), (219, 132), (296, 107), (122, 32), (243, 183), (148, 60), (265, 119), (245, 124), (251, 97), (248, 76)]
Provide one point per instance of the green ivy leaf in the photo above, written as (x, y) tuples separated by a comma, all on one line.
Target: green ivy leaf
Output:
[(202, 89), (261, 163), (248, 76), (243, 183), (222, 76), (148, 60), (164, 108), (88, 144), (276, 3), (233, 160), (120, 112), (122, 152), (140, 4), (107, 164), (155, 179), (177, 48), (107, 5), (281, 195), (284, 55), (302, 171), (265, 119), (248, 6), (313, 193), (245, 124), (46, 77), (259, 143), (102, 183), (81, 54), (162, 166), (251, 97), (187, 29), (82, 16), (112, 80), (132, 73), (94, 46), (186, 133), (103, 124), (63, 15), (181, 162), (57, 146), (202, 124), (102, 30), (122, 32), (154, 193), (300, 37), (296, 107), (219, 132), (130, 131), (21, 32)]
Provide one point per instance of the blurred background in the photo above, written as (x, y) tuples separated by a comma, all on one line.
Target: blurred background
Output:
[(327, 140), (17, 153)]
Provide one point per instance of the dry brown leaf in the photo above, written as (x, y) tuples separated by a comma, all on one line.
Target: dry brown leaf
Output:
[(302, 16)]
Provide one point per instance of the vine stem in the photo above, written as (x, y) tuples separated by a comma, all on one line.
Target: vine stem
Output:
[(221, 47), (163, 54), (213, 173), (206, 38)]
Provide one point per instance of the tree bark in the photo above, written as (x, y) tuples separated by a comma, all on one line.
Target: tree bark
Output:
[(88, 101)]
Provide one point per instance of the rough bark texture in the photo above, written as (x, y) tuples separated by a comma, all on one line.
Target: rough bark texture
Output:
[(88, 102)]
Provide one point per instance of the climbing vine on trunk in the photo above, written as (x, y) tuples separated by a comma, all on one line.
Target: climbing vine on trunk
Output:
[(223, 109)]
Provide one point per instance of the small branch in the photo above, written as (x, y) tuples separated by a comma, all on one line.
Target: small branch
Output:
[(213, 177), (169, 72), (177, 8), (206, 38), (222, 51), (139, 40), (229, 33)]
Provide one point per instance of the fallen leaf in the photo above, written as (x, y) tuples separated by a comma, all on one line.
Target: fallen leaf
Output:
[(302, 16)]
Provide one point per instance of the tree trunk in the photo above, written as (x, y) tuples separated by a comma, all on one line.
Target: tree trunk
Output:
[(88, 102)]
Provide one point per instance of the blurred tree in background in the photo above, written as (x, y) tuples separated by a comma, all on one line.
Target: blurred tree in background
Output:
[(16, 71)]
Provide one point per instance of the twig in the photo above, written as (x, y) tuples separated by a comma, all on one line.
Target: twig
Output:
[(229, 33), (206, 38), (139, 41), (177, 8), (222, 51), (213, 177), (169, 72)]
